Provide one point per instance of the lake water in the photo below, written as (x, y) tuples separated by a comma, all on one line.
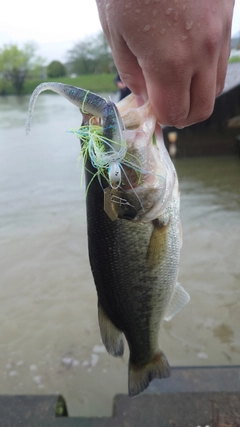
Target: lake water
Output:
[(49, 339)]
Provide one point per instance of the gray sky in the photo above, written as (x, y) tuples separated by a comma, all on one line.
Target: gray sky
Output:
[(56, 28)]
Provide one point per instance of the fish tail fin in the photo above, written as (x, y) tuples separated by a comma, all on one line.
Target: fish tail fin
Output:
[(140, 377)]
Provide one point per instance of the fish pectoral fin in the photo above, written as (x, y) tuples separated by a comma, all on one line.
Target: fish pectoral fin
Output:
[(112, 337), (178, 300), (140, 377)]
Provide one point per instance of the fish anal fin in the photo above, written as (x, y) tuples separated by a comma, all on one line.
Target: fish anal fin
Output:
[(157, 243), (112, 337), (178, 300), (140, 377)]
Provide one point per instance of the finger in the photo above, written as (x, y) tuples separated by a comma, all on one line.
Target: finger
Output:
[(222, 66), (169, 94), (225, 49), (129, 70), (208, 84), (202, 96), (221, 76)]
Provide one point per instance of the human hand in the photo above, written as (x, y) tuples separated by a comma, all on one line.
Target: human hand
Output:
[(172, 52)]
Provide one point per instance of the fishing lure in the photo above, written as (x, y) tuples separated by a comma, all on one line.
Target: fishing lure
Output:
[(101, 135), (113, 148), (108, 164)]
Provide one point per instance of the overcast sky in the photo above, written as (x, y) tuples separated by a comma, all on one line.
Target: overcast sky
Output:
[(56, 28)]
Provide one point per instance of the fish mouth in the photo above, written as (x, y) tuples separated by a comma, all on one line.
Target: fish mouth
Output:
[(147, 173)]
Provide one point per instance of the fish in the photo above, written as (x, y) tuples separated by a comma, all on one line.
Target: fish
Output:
[(134, 238), (135, 258)]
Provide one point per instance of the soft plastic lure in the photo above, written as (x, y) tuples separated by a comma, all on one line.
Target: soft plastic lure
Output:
[(112, 149)]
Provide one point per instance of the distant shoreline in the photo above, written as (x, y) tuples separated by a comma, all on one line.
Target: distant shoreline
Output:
[(93, 82)]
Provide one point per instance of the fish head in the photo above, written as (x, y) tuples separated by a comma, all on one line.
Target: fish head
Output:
[(148, 174)]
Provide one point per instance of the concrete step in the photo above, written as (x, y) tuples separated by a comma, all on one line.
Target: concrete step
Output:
[(191, 397)]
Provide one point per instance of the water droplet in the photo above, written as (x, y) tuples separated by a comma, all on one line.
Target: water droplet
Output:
[(189, 25), (128, 5), (184, 7), (198, 25), (154, 12), (163, 31), (168, 11), (138, 10), (183, 38), (153, 26), (147, 1), (146, 28)]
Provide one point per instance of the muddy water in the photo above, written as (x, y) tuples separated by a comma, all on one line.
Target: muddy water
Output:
[(49, 339)]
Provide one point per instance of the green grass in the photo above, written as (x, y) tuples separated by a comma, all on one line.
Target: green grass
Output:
[(234, 59), (95, 83)]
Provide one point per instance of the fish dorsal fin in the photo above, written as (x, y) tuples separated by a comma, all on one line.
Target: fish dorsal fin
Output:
[(112, 337), (178, 300)]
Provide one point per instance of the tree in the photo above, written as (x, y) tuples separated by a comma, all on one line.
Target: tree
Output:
[(18, 64), (91, 55), (56, 69)]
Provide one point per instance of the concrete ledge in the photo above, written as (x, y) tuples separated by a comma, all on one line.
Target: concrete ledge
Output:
[(204, 379), (30, 411), (178, 410), (192, 397)]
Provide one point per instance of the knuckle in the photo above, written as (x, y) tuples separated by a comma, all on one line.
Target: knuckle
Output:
[(213, 38)]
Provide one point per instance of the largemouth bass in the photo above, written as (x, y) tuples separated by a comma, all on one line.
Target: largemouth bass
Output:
[(134, 236), (135, 259)]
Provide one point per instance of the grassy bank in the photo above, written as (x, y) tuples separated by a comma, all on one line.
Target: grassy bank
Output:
[(95, 83), (234, 59)]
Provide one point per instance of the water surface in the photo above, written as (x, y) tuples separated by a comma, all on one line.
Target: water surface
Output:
[(50, 341)]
